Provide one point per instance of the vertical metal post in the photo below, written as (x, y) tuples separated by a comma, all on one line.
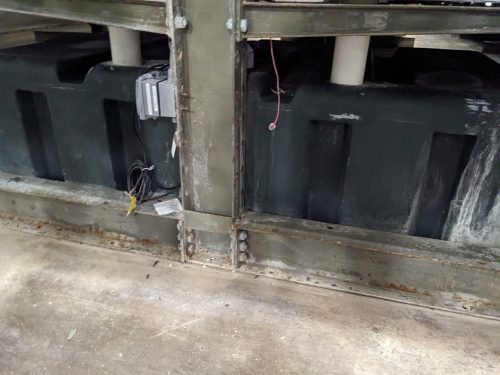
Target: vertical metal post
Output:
[(208, 87), (205, 55)]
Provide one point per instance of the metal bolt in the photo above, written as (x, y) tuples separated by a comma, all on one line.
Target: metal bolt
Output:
[(190, 237), (242, 257), (243, 25), (179, 225), (243, 236), (229, 24), (242, 246), (180, 22)]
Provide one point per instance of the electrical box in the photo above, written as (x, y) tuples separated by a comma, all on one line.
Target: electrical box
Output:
[(155, 94)]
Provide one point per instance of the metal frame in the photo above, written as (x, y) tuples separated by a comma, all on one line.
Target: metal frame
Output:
[(413, 269), (209, 66), (271, 20), (145, 15), (96, 208)]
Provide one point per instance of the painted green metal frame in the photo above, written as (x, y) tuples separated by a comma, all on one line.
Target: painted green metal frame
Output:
[(272, 20), (145, 15), (210, 71)]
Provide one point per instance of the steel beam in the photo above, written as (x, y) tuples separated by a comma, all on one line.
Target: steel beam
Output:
[(268, 20), (83, 205), (412, 269), (205, 63), (144, 15), (206, 77)]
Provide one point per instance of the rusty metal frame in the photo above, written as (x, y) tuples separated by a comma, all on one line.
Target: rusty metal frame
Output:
[(209, 64), (271, 20), (144, 15), (409, 269), (373, 263)]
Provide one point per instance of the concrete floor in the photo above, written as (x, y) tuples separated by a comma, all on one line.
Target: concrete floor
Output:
[(67, 308)]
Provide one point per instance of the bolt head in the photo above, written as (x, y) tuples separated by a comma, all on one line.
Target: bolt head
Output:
[(242, 246), (243, 25), (180, 22), (229, 24), (243, 236)]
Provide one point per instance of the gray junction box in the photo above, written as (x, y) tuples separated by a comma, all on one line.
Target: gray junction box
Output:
[(155, 95)]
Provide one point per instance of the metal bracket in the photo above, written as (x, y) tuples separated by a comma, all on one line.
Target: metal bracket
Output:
[(207, 222)]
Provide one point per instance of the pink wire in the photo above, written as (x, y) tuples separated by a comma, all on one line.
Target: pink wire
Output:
[(274, 124)]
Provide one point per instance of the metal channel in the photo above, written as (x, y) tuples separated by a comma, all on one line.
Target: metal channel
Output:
[(414, 269), (205, 61), (83, 205), (144, 15), (267, 20)]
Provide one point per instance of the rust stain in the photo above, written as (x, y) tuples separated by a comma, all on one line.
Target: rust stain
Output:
[(351, 273), (401, 287)]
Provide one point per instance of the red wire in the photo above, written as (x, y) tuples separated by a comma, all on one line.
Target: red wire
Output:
[(273, 124)]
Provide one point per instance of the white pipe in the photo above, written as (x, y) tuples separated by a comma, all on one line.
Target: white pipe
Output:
[(125, 46), (349, 60)]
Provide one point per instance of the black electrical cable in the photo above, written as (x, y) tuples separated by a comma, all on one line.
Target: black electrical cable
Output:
[(141, 178), (156, 66)]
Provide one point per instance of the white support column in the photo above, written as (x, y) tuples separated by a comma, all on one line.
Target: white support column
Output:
[(349, 60), (125, 46)]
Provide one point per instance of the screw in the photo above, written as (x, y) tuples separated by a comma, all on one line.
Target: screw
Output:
[(180, 22)]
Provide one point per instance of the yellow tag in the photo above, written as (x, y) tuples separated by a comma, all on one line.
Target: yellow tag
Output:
[(133, 204)]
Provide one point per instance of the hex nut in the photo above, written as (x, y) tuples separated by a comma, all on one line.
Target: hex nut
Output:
[(242, 246), (243, 25), (242, 236), (180, 22)]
